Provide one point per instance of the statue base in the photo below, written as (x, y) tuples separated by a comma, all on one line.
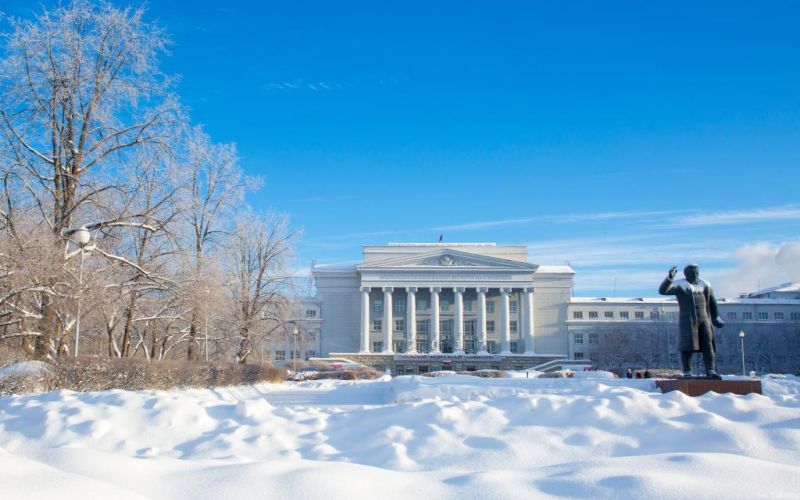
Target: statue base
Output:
[(700, 385)]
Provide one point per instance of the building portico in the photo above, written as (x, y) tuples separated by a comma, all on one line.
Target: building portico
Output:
[(471, 301)]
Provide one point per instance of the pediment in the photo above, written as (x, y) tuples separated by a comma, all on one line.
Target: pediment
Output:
[(448, 258)]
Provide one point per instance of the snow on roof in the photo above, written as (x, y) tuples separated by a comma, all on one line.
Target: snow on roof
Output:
[(783, 288), (334, 268), (442, 244), (555, 269), (671, 300)]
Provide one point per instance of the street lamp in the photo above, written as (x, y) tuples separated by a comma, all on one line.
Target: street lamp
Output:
[(82, 238), (741, 336), (206, 341)]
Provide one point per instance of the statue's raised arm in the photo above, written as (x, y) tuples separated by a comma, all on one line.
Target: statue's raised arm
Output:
[(666, 285)]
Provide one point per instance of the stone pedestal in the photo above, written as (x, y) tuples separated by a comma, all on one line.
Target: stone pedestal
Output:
[(698, 387)]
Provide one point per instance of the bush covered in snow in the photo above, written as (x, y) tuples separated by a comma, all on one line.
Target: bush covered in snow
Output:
[(357, 374), (98, 374)]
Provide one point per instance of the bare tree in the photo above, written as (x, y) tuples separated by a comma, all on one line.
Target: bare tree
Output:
[(80, 90)]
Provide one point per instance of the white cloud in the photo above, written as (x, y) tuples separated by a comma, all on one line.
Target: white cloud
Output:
[(760, 265), (737, 216)]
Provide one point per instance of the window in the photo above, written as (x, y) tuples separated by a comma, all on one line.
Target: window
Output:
[(489, 307), (490, 327), (579, 338), (444, 305), (623, 314), (747, 315), (294, 354), (638, 314), (280, 355), (310, 354), (577, 315), (468, 305), (592, 338), (796, 316), (422, 305), (377, 346), (763, 315), (731, 315), (399, 346), (400, 306), (399, 324), (311, 313), (654, 315), (423, 327), (608, 314), (377, 325), (778, 315), (514, 347), (377, 306), (446, 326), (512, 326), (578, 355), (592, 314), (512, 306), (491, 346)]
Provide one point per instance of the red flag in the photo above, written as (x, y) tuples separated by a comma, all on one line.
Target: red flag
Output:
[(441, 238)]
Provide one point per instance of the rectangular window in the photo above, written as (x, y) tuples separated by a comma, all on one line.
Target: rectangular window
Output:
[(654, 315), (294, 354), (623, 314), (400, 306), (778, 315), (489, 307), (592, 338), (514, 346), (608, 314), (490, 327), (280, 355), (377, 306), (577, 315), (311, 313), (796, 316), (446, 326), (731, 315), (377, 346), (512, 306), (422, 305), (377, 325), (423, 327), (578, 355), (310, 354), (747, 315), (399, 324), (491, 346), (512, 326), (579, 338), (592, 314), (468, 305), (399, 346), (444, 305), (638, 314), (763, 315)]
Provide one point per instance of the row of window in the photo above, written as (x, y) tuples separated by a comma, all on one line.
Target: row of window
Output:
[(281, 355), (731, 315), (444, 306), (445, 326)]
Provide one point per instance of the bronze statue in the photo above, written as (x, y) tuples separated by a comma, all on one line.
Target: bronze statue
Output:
[(698, 317)]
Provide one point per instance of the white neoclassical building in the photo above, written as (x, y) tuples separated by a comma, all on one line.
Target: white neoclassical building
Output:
[(423, 306)]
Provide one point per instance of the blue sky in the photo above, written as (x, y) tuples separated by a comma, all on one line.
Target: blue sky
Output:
[(621, 137)]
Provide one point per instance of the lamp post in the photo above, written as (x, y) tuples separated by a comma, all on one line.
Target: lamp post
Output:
[(741, 336), (206, 341), (82, 238), (294, 349)]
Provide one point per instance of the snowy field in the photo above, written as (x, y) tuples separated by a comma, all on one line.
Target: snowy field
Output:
[(407, 437)]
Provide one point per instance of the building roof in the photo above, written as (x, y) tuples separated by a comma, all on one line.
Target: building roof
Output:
[(618, 301), (555, 269), (783, 288)]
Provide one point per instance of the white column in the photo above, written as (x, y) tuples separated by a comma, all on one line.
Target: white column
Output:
[(528, 319), (364, 320), (411, 326), (505, 326), (482, 320), (387, 320), (435, 319), (458, 327)]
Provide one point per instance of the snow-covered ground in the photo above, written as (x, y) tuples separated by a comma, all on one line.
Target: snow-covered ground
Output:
[(407, 437)]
